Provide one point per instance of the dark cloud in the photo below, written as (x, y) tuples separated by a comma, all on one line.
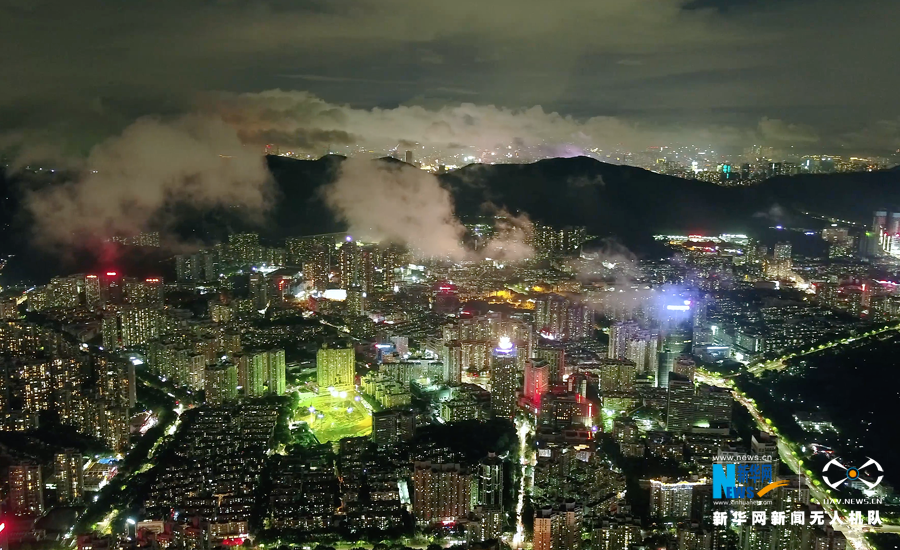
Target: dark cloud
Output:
[(396, 203), (393, 202), (310, 139), (281, 114), (779, 132), (815, 72), (129, 182), (874, 136)]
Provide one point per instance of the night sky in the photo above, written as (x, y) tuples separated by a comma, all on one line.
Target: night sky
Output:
[(818, 75)]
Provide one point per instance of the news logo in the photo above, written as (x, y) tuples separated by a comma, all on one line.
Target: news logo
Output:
[(743, 480), (850, 473)]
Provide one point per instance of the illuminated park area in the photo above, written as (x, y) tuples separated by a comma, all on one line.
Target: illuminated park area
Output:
[(334, 415)]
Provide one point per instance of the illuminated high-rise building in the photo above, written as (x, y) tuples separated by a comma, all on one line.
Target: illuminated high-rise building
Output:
[(110, 331), (476, 328), (69, 476), (665, 364), (281, 288), (209, 261), (188, 268), (550, 316), (146, 238), (300, 250), (317, 266), (696, 537), (111, 424), (627, 340), (555, 358), (453, 362), (671, 500), (39, 299), (489, 479), (619, 336), (618, 532), (259, 291), (139, 325), (349, 263), (68, 380), (551, 242), (780, 265), (9, 309), (92, 297), (446, 298), (543, 530), (713, 406), (840, 242), (368, 259), (441, 492), (116, 381), (392, 257), (336, 368), (680, 405), (295, 249), (537, 380), (63, 292), (35, 376), (20, 338), (616, 375), (110, 288), (641, 349), (230, 341), (558, 528), (782, 251), (393, 425), (244, 248), (169, 361), (504, 379), (67, 373), (221, 382), (26, 489), (356, 301), (197, 372), (254, 372), (275, 372), (220, 313), (558, 318), (144, 292), (485, 524), (476, 355)]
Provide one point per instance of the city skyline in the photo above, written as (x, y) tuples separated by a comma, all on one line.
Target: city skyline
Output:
[(432, 404), (404, 275)]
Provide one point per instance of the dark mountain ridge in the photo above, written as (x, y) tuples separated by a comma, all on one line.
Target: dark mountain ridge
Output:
[(623, 202)]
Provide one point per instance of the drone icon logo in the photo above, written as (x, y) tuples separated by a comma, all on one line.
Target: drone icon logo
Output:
[(852, 473)]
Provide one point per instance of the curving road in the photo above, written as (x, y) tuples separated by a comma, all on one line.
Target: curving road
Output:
[(781, 362), (788, 455)]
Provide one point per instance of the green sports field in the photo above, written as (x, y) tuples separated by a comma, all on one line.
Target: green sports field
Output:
[(334, 417)]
